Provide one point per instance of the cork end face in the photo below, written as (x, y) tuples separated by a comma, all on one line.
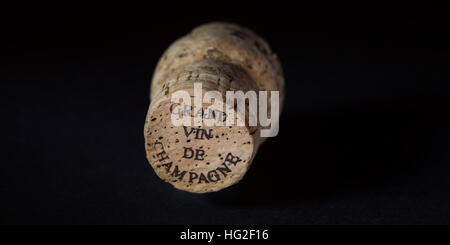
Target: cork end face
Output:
[(197, 159)]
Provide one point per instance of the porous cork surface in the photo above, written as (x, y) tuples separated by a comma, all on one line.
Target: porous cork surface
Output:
[(226, 42), (222, 57), (197, 159)]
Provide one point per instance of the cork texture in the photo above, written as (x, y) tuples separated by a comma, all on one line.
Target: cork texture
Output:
[(222, 57)]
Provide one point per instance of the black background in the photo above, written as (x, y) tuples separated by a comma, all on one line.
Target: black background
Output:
[(364, 135)]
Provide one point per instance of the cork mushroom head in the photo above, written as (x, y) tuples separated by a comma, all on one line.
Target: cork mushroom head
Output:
[(221, 57)]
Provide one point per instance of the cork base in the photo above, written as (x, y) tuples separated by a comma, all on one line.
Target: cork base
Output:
[(222, 57), (197, 158)]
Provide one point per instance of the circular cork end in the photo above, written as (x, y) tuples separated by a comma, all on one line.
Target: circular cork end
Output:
[(196, 158)]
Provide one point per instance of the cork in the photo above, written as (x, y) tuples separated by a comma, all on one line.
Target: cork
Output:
[(221, 57)]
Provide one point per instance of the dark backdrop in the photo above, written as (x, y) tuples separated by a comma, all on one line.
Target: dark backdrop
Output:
[(364, 135)]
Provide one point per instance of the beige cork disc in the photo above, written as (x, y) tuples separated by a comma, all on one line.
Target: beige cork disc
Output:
[(221, 57), (198, 158)]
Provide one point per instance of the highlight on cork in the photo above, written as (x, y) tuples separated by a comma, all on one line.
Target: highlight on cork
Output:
[(215, 97)]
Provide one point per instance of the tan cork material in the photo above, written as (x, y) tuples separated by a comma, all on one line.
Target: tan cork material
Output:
[(222, 57)]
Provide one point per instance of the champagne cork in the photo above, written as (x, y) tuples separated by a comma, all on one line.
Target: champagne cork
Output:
[(221, 57)]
